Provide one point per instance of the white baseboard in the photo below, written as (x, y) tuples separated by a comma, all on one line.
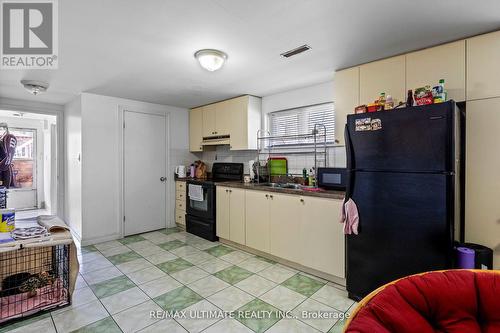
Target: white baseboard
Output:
[(100, 239)]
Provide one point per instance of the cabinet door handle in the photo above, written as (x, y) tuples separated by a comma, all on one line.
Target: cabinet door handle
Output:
[(271, 196), (267, 195), (230, 191), (302, 200)]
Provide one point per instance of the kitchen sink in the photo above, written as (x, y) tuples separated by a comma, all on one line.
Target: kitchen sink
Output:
[(291, 186), (270, 184)]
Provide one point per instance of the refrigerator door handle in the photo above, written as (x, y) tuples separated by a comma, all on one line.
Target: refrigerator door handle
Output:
[(349, 164), (348, 148)]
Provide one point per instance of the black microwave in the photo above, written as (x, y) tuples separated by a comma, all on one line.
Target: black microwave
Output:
[(332, 178)]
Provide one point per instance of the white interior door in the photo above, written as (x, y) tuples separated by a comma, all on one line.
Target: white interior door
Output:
[(144, 172)]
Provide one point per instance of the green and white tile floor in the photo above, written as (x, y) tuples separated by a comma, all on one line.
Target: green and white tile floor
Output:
[(121, 282)]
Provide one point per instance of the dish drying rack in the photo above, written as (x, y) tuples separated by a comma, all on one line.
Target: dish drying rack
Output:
[(307, 144)]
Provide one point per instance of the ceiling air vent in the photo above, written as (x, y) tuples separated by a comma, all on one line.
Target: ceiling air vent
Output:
[(296, 51)]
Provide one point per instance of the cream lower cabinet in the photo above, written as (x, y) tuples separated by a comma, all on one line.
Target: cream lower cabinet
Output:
[(482, 180), (231, 214), (301, 229), (284, 226), (257, 220), (322, 237), (222, 212), (180, 203)]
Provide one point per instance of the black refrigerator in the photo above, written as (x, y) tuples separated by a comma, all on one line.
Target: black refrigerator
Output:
[(403, 168)]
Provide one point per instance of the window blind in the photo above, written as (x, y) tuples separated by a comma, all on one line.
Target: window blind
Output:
[(302, 120)]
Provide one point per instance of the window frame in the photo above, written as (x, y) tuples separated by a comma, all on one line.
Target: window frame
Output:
[(330, 140)]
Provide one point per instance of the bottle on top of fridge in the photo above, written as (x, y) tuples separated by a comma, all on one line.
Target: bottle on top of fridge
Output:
[(381, 99), (439, 93), (444, 93), (409, 98), (389, 103)]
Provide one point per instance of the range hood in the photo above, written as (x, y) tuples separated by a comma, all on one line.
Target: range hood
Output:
[(216, 140)]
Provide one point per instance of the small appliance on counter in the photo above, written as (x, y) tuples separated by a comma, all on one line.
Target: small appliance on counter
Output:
[(332, 178), (180, 171)]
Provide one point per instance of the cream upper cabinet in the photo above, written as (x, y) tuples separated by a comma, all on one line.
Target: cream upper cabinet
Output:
[(427, 67), (195, 129), (222, 206), (237, 119), (346, 98), (257, 220), (209, 120), (245, 122), (322, 237), (284, 226), (483, 69), (386, 75), (237, 215), (482, 180), (223, 119)]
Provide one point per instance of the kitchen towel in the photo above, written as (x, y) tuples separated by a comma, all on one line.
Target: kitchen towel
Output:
[(195, 192), (349, 217)]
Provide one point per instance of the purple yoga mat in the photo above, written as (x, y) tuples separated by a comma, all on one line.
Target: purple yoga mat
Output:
[(465, 258)]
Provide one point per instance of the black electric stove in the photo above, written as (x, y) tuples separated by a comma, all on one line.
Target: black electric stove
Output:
[(200, 214)]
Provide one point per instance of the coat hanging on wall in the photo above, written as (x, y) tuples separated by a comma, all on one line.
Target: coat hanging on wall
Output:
[(8, 144)]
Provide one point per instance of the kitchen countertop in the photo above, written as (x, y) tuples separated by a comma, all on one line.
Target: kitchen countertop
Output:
[(183, 179), (339, 195)]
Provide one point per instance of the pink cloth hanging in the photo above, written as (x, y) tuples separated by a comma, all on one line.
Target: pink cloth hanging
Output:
[(349, 217)]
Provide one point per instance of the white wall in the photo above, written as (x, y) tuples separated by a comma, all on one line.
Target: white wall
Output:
[(73, 167), (101, 162), (315, 94)]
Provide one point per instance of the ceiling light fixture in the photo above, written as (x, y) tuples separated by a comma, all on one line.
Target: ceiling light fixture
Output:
[(210, 59), (35, 87)]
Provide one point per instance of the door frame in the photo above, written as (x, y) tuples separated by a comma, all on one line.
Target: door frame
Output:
[(121, 158), (57, 111)]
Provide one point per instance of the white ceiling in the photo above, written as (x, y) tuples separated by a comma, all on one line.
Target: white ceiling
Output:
[(143, 50)]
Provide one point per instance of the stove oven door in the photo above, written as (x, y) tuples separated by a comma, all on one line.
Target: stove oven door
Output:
[(204, 209)]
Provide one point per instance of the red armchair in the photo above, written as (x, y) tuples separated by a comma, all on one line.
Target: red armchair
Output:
[(445, 301)]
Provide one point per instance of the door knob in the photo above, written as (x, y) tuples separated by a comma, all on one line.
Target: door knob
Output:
[(162, 179)]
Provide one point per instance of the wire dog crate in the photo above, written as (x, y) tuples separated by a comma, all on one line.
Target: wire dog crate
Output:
[(33, 279)]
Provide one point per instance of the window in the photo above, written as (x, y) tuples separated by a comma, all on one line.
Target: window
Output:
[(302, 121)]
